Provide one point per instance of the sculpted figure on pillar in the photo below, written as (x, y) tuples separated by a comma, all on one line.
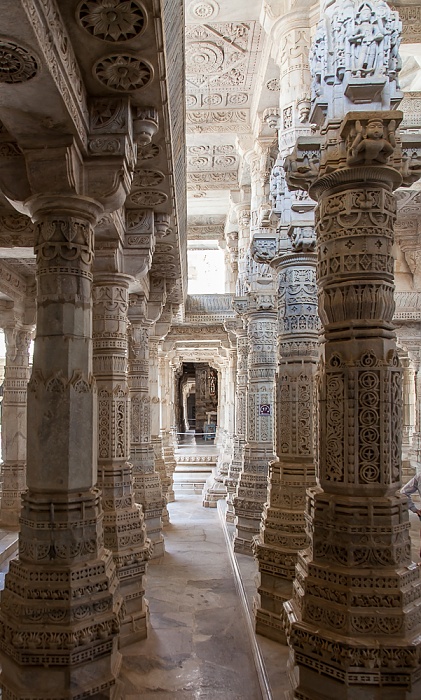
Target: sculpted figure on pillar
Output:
[(357, 519)]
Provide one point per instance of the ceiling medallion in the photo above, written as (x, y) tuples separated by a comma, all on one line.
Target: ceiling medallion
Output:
[(148, 198), (112, 20), (147, 178), (17, 65), (203, 10), (123, 73)]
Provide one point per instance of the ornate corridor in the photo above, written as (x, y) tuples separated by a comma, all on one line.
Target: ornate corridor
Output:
[(280, 139)]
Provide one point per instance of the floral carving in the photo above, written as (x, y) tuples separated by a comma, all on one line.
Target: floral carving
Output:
[(148, 152), (148, 198), (112, 20), (147, 178), (17, 65), (123, 72)]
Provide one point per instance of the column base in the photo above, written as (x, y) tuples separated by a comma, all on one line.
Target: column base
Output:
[(134, 627), (213, 491), (247, 527), (269, 625), (60, 685)]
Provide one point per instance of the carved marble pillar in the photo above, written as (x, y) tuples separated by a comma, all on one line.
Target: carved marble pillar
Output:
[(240, 407), (156, 438), (408, 412), (215, 487), (166, 386), (124, 527), (147, 484), (282, 532), (61, 606), (242, 244), (352, 615), (416, 443), (251, 490), (13, 428)]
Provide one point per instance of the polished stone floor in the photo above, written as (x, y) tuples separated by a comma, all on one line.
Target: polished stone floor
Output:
[(198, 646), (201, 644)]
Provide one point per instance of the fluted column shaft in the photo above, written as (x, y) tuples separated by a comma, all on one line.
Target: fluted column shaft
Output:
[(147, 484), (124, 527), (13, 429)]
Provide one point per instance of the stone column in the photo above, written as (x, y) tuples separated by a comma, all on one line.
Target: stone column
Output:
[(416, 442), (242, 243), (354, 620), (147, 484), (61, 607), (408, 414), (282, 532), (258, 451), (240, 407), (167, 419), (13, 428), (124, 527), (156, 424), (215, 487)]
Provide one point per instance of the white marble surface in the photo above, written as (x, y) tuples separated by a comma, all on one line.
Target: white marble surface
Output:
[(198, 647)]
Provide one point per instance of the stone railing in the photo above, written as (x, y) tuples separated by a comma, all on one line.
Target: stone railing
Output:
[(407, 306), (202, 308)]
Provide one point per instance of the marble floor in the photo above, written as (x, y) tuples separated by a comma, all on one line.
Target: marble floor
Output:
[(201, 643), (198, 646)]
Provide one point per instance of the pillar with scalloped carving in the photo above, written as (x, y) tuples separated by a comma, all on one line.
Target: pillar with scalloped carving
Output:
[(13, 433), (124, 527), (354, 621), (147, 482)]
